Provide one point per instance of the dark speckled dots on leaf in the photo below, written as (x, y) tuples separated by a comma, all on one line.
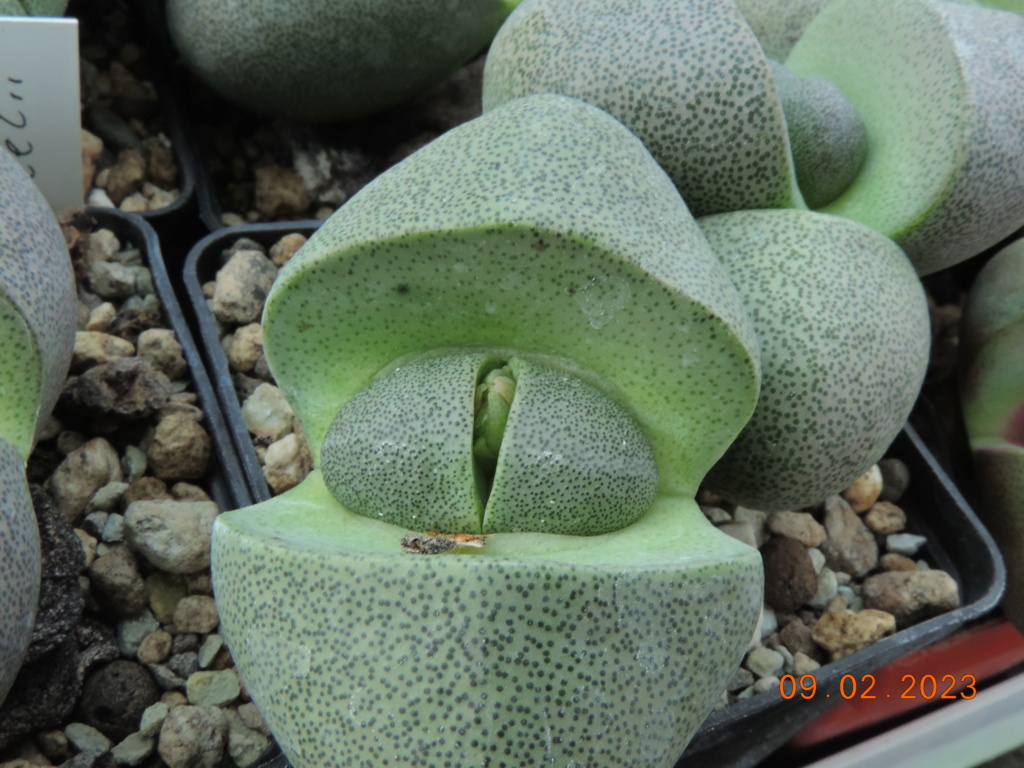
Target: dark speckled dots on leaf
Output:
[(620, 343)]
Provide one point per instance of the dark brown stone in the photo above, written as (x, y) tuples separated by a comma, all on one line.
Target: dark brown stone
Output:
[(116, 582), (125, 390), (789, 576)]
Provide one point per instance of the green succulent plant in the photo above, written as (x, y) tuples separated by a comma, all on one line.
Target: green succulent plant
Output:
[(37, 331), (844, 330), (937, 84), (992, 397), (324, 60), (470, 343), (689, 78)]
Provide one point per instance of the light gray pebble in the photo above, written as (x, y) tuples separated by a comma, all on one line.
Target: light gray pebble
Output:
[(111, 280), (193, 737), (93, 523), (787, 656), (133, 463), (908, 544), (113, 530), (132, 631), (716, 515), (267, 413), (764, 662), (804, 664), (209, 649), (741, 532), (765, 684), (153, 718), (843, 578), (103, 244), (827, 589), (108, 497), (144, 281), (172, 535), (83, 472), (213, 688), (130, 257), (769, 621), (245, 745), (817, 558), (757, 520), (85, 738), (853, 600), (133, 749), (242, 286)]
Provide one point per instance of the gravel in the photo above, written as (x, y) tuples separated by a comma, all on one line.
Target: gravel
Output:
[(126, 666)]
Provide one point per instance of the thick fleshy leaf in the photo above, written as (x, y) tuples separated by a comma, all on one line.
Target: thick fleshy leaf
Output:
[(35, 276), (19, 564), (609, 650), (940, 86), (688, 77), (843, 325), (543, 227)]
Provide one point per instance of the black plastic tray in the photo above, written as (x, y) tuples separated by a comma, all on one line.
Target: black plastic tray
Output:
[(225, 482), (181, 212), (744, 733)]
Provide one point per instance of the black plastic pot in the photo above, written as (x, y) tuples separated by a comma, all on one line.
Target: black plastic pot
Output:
[(742, 734), (226, 482), (181, 212)]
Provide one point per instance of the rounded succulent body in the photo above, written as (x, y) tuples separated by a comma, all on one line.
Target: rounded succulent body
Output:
[(828, 137), (939, 86), (328, 59), (688, 77), (530, 268), (992, 397), (37, 333), (567, 460), (844, 331)]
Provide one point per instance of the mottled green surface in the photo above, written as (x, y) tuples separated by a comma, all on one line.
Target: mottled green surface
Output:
[(328, 59), (537, 649), (571, 461), (778, 24), (827, 135), (941, 89), (19, 379), (32, 7), (688, 77), (35, 275), (844, 331), (542, 232), (543, 226), (19, 564)]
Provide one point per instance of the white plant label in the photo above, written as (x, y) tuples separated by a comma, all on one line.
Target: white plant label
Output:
[(40, 112)]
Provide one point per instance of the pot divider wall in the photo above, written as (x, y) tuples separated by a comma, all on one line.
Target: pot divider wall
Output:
[(744, 733), (226, 482)]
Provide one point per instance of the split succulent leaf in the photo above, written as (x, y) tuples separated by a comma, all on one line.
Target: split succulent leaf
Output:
[(939, 86), (538, 258)]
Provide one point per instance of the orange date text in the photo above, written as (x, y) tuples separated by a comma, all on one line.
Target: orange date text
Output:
[(927, 687)]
